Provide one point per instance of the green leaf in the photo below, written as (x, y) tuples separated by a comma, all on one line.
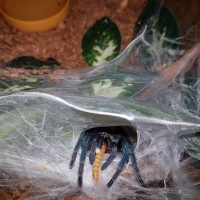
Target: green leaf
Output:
[(29, 62), (101, 42), (162, 31), (192, 145), (26, 82), (17, 85), (190, 93), (159, 20), (114, 85)]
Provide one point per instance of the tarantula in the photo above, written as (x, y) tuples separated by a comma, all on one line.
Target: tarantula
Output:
[(107, 139)]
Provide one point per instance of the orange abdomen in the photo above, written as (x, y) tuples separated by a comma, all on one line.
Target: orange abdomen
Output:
[(97, 161)]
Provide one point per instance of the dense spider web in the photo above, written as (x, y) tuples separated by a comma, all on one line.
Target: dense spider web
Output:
[(39, 129)]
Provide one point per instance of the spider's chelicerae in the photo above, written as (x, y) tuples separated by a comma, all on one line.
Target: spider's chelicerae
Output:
[(113, 139)]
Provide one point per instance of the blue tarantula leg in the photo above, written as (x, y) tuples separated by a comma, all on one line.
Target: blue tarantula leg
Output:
[(119, 169), (76, 149), (85, 147), (81, 166), (94, 145), (110, 158), (109, 143), (93, 151), (134, 162)]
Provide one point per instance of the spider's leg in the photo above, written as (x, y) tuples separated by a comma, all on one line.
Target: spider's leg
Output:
[(93, 150), (85, 148), (119, 169), (134, 162), (76, 148), (97, 143), (109, 143), (110, 158), (81, 166)]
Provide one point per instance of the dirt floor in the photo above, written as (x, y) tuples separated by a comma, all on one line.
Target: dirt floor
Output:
[(64, 42)]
